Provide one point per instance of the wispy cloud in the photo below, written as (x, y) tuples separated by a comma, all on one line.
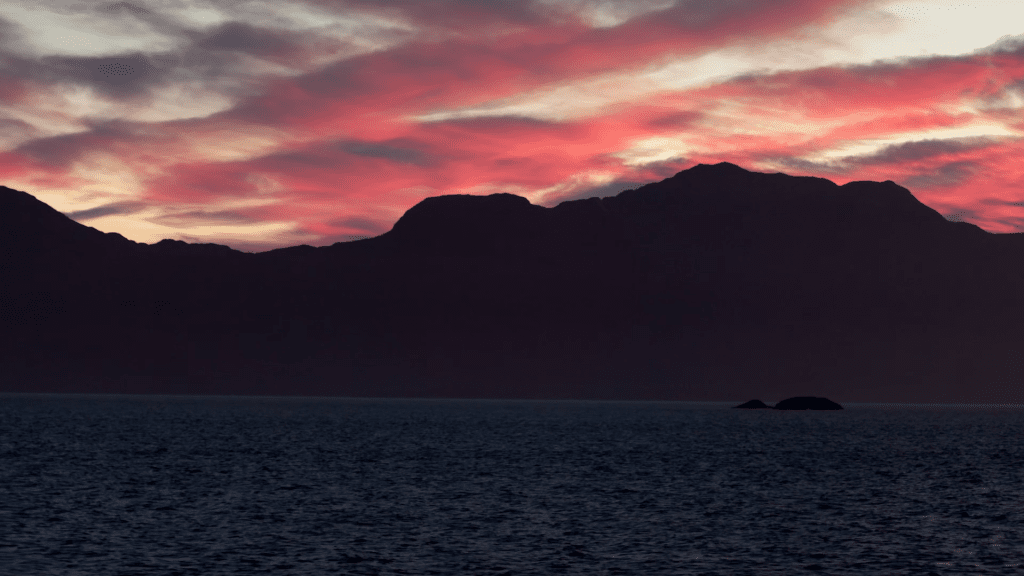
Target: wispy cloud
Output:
[(264, 124), (106, 210)]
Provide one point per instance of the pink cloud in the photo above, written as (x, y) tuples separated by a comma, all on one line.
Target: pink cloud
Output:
[(322, 181), (480, 65), (910, 88), (12, 166), (347, 155), (531, 154)]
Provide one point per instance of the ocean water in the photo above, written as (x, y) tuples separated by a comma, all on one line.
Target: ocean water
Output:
[(108, 485)]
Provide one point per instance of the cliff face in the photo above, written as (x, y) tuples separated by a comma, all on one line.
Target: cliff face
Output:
[(717, 283)]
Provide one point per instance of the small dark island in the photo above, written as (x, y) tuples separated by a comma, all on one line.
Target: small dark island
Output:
[(752, 405), (807, 403)]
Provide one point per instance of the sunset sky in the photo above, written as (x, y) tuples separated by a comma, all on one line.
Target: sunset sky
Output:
[(262, 124)]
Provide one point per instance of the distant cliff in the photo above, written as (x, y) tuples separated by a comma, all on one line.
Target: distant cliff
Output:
[(717, 283)]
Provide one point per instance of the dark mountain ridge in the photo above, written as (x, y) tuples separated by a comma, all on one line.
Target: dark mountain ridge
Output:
[(717, 283)]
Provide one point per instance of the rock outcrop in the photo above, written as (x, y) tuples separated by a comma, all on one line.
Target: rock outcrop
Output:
[(807, 403), (752, 405)]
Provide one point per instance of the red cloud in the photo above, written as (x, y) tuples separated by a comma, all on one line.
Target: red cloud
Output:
[(12, 166), (480, 65), (348, 148), (323, 180), (911, 87), (463, 154)]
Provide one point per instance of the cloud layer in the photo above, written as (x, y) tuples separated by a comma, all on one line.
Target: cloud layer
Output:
[(262, 125)]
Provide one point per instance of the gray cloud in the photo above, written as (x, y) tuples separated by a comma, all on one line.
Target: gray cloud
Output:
[(125, 7), (10, 33), (1015, 222), (370, 227), (206, 55), (56, 151), (680, 119), (1008, 44), (696, 15), (134, 11), (879, 73), (921, 149), (1001, 202), (401, 150), (62, 150), (948, 174), (314, 157), (338, 154), (17, 129), (808, 166), (701, 14), (106, 210), (260, 42), (125, 76), (264, 42), (193, 218), (487, 123), (455, 13)]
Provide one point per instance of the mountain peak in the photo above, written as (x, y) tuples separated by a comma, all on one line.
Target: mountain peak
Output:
[(463, 217), (722, 167)]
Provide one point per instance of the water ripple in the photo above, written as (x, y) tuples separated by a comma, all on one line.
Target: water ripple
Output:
[(109, 485)]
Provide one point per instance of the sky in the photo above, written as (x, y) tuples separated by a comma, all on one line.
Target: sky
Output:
[(264, 124)]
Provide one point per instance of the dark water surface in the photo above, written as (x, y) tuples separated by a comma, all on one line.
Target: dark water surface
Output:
[(108, 485)]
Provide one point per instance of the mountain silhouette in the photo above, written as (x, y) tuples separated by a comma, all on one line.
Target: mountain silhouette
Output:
[(715, 284)]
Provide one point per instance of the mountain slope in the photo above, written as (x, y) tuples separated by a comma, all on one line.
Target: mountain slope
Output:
[(717, 283)]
